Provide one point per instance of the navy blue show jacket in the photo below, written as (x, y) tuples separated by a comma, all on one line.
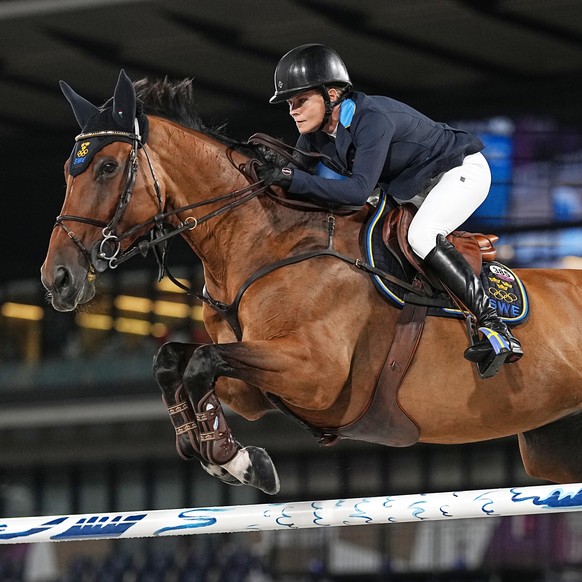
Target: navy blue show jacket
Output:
[(381, 141)]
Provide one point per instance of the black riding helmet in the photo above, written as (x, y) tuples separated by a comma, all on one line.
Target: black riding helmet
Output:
[(307, 67), (310, 66)]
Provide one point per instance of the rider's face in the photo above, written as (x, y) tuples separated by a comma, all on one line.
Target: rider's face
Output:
[(307, 110)]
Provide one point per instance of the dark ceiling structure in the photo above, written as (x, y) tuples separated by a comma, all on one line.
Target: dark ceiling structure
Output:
[(452, 59)]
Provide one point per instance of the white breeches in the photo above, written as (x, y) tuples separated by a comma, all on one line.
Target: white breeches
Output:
[(456, 196)]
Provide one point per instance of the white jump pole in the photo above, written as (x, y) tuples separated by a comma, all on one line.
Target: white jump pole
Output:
[(452, 505)]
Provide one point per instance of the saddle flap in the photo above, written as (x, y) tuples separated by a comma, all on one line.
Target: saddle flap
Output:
[(394, 231)]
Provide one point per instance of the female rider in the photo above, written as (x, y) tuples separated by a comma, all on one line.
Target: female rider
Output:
[(377, 140)]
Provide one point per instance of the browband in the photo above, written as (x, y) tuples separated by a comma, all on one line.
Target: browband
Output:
[(132, 136)]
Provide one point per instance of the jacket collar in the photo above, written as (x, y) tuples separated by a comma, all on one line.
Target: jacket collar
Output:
[(337, 148), (343, 138)]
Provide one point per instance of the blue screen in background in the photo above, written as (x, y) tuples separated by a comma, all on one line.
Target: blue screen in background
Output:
[(498, 151)]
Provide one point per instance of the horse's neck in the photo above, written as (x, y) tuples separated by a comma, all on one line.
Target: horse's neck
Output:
[(235, 244)]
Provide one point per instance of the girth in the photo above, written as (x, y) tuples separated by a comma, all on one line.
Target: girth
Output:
[(383, 421)]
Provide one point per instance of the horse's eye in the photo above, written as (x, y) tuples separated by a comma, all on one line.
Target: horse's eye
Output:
[(108, 168)]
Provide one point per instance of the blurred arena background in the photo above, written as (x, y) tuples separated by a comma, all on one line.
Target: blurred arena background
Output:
[(82, 426)]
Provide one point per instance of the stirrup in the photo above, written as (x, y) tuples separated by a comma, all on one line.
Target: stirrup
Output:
[(490, 353)]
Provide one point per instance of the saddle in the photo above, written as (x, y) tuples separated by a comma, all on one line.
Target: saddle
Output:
[(475, 247)]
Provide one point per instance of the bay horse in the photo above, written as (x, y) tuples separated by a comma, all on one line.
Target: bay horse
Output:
[(311, 333)]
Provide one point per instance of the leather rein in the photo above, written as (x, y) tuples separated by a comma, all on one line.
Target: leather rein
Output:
[(107, 253)]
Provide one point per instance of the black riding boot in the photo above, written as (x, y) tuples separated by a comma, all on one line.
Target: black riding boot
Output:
[(454, 271)]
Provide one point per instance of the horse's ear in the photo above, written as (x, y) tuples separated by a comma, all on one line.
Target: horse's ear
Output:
[(124, 102), (82, 108)]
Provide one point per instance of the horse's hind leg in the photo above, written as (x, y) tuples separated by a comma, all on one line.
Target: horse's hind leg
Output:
[(169, 365), (199, 415), (553, 452)]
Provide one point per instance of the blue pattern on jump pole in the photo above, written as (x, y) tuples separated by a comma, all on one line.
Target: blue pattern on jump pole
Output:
[(421, 507)]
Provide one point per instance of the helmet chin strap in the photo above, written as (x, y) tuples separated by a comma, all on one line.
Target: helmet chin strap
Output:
[(329, 105)]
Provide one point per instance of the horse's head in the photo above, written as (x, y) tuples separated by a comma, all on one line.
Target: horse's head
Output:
[(108, 202)]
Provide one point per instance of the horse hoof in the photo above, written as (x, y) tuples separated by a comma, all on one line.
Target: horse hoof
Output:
[(262, 473), (253, 466), (220, 473)]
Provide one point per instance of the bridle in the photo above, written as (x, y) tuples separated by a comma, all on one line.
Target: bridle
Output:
[(106, 252)]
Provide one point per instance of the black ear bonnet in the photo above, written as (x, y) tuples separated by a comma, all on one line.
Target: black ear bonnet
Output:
[(120, 119)]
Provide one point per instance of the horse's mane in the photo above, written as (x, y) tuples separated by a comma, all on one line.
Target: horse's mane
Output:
[(175, 101)]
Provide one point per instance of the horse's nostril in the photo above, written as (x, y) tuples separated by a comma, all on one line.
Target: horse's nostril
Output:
[(62, 278)]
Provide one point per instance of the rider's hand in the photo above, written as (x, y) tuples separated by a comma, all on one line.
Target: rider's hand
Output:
[(273, 175)]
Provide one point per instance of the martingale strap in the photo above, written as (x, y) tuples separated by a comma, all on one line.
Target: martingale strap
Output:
[(229, 312)]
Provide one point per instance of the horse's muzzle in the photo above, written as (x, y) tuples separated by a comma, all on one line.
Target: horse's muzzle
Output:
[(66, 290)]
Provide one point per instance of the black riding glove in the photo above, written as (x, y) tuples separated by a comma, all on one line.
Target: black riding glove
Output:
[(274, 175)]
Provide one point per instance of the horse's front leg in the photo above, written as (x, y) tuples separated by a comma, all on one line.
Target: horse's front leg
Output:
[(201, 427), (169, 365), (284, 366)]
